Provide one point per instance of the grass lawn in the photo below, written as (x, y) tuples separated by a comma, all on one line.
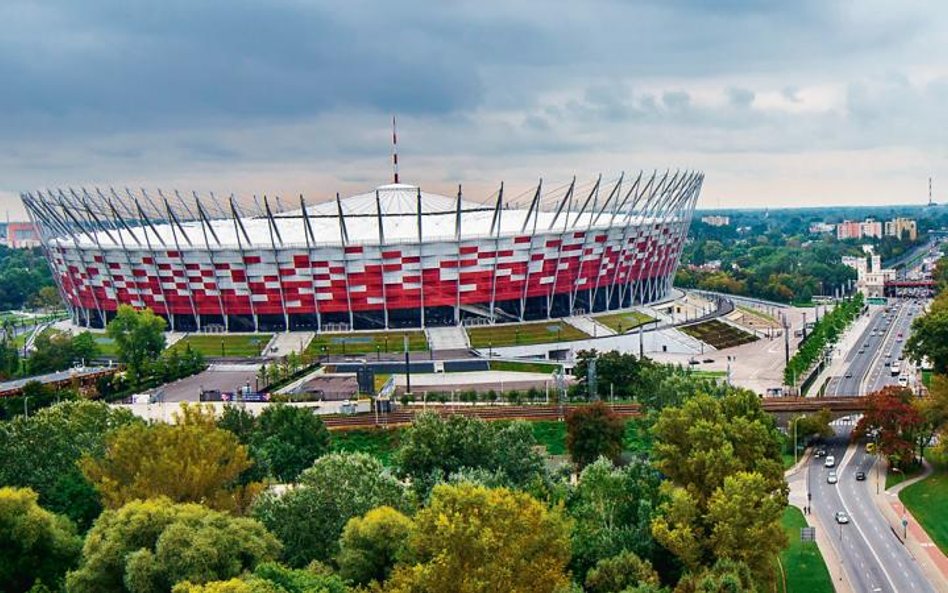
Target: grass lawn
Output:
[(928, 502), (552, 435), (523, 334), (523, 367), (802, 562), (893, 477), (107, 346), (366, 342), (623, 322), (379, 443), (927, 379), (233, 345), (758, 313)]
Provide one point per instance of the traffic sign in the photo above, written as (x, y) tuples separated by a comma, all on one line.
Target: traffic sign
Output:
[(807, 534)]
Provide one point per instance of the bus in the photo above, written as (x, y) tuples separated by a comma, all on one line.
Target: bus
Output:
[(896, 368)]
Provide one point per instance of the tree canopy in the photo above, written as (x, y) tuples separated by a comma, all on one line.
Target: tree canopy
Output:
[(138, 334), (481, 540), (287, 439), (593, 431), (36, 546), (41, 452), (189, 461), (149, 546), (371, 545), (310, 517)]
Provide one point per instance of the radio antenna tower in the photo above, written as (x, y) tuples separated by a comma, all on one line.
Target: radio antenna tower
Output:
[(394, 149), (930, 192)]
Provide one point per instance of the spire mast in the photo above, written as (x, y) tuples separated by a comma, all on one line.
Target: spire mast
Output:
[(395, 149)]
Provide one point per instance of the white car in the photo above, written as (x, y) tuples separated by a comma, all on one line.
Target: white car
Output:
[(842, 518), (903, 381), (832, 478), (830, 461)]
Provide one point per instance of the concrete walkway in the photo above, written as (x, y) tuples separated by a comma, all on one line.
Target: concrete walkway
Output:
[(930, 558), (447, 338), (283, 343), (589, 326), (797, 480)]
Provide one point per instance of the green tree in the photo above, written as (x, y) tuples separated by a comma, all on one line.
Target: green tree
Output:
[(149, 546), (435, 447), (612, 510), (270, 577), (52, 351), (287, 440), (138, 335), (929, 337), (593, 431), (189, 461), (371, 544), (36, 546), (67, 432), (84, 347), (717, 453), (621, 573), (725, 576), (309, 518), (480, 540)]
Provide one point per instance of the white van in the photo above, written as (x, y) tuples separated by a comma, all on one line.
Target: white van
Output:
[(830, 461)]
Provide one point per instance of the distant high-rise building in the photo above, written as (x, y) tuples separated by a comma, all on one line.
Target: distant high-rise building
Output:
[(22, 235), (897, 227), (819, 228), (872, 228), (849, 229)]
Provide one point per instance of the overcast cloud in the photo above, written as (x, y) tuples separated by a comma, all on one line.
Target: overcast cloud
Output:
[(811, 102)]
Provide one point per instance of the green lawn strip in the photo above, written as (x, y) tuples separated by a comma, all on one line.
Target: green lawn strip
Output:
[(927, 379), (802, 562), (928, 502), (757, 313), (107, 346), (366, 342), (380, 443), (523, 367), (623, 322), (894, 476), (523, 334), (233, 345)]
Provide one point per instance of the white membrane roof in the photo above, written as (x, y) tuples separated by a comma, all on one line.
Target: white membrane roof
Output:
[(399, 207)]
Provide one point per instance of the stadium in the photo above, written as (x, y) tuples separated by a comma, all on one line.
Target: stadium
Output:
[(396, 257)]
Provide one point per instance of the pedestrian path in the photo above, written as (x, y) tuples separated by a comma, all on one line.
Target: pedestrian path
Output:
[(283, 343), (589, 326), (447, 338), (932, 560)]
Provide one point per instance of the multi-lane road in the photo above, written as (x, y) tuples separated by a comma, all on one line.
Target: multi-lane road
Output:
[(872, 556)]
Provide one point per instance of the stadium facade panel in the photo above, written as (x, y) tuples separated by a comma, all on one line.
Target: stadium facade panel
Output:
[(397, 257)]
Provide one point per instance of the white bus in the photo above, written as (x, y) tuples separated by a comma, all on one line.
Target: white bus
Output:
[(896, 368)]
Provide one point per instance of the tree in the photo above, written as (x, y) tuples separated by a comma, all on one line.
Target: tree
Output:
[(715, 453), (138, 336), (52, 351), (435, 447), (149, 546), (270, 577), (612, 510), (84, 347), (287, 440), (371, 545), (593, 431), (929, 337), (620, 573), (475, 539), (934, 412), (894, 421), (725, 576), (66, 431), (189, 461), (309, 518), (36, 546)]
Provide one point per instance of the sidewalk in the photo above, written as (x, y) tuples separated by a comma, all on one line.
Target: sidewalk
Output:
[(796, 478), (930, 558)]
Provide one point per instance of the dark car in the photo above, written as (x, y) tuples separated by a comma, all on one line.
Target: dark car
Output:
[(707, 360), (861, 476)]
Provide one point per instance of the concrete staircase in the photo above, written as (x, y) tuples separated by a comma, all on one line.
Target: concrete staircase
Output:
[(447, 338)]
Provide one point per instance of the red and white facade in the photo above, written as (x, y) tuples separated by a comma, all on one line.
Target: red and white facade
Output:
[(395, 257)]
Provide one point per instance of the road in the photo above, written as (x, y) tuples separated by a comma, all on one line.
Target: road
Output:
[(891, 347), (858, 360), (872, 556)]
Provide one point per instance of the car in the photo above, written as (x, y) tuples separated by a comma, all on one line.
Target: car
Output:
[(888, 355), (693, 361), (887, 363), (830, 461), (849, 374), (831, 478), (860, 476), (903, 381), (866, 345), (708, 360), (820, 453), (898, 339), (842, 518)]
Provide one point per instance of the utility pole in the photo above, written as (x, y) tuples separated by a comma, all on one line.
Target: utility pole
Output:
[(407, 367)]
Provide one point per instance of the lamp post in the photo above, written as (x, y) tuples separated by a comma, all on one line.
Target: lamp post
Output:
[(222, 348)]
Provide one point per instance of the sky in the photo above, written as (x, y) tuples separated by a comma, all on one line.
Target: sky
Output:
[(802, 103)]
